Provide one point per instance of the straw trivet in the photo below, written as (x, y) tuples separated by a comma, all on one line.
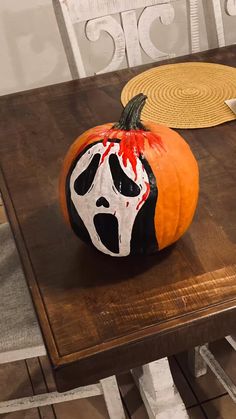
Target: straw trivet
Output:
[(185, 95)]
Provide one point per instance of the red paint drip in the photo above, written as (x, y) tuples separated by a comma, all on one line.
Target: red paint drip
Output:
[(106, 152), (132, 144), (145, 195), (107, 135), (129, 150)]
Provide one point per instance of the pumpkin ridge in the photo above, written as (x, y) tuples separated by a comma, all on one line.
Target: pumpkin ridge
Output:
[(180, 230), (167, 235)]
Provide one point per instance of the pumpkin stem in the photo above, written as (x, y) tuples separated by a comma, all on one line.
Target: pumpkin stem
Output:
[(130, 117)]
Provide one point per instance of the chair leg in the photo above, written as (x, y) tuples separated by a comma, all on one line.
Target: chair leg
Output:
[(201, 358), (112, 398), (220, 374), (50, 398), (160, 396), (196, 363), (107, 387), (232, 341)]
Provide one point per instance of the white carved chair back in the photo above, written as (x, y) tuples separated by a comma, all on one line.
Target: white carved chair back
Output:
[(230, 9), (130, 37)]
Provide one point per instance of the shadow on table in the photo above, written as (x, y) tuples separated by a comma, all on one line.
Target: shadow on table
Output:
[(61, 260), (100, 269)]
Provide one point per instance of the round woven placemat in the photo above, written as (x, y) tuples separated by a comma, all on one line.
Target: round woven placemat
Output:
[(185, 95)]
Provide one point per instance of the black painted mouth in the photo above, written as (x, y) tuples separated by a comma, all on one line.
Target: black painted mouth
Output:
[(107, 228)]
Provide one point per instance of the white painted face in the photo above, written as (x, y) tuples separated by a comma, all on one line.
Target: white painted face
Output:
[(107, 196)]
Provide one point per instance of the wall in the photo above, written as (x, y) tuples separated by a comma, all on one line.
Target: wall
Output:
[(32, 55)]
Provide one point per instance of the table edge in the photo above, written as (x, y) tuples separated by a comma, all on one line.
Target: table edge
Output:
[(48, 336), (84, 82)]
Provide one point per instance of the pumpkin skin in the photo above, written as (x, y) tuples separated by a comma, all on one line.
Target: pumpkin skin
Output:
[(130, 187)]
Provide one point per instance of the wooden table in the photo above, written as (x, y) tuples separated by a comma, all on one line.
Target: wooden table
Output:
[(100, 315)]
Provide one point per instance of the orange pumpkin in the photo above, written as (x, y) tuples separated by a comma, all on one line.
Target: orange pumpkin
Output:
[(130, 187)]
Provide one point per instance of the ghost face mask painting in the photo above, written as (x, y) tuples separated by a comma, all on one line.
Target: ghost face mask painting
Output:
[(112, 202)]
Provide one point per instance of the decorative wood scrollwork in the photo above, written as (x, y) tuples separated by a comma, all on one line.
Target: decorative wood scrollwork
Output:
[(113, 28), (231, 7), (194, 25), (131, 35), (129, 22), (165, 12), (219, 22)]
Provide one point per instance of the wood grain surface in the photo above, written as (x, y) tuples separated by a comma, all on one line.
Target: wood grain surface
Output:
[(101, 316)]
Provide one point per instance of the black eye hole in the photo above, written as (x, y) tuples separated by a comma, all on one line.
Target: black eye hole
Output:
[(122, 182), (84, 181)]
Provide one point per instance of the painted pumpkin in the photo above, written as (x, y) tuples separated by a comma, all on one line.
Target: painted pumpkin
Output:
[(129, 187)]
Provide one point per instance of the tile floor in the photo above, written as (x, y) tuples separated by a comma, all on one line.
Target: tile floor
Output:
[(204, 397)]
